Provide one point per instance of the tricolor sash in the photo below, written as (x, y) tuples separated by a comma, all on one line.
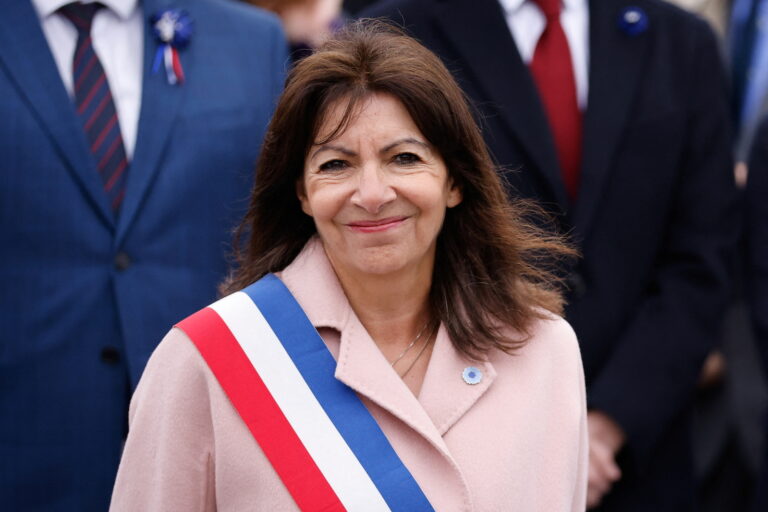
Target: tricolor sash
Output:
[(319, 437)]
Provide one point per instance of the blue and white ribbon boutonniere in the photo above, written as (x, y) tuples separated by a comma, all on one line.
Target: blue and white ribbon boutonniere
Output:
[(173, 29)]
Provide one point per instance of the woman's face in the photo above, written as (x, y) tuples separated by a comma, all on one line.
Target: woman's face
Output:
[(378, 192)]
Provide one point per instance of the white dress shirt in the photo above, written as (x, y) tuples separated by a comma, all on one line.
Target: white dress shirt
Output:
[(118, 40), (527, 23)]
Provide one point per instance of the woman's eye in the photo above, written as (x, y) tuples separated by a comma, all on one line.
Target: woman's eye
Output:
[(333, 165), (407, 159)]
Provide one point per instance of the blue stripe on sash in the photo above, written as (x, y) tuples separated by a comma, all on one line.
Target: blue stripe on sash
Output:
[(351, 418)]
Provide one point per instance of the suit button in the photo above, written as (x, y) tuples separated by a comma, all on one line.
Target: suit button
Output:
[(122, 261), (576, 284), (110, 355)]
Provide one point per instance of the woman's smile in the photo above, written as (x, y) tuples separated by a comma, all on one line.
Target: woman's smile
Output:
[(376, 226)]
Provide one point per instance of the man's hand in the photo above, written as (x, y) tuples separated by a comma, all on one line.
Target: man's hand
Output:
[(605, 440)]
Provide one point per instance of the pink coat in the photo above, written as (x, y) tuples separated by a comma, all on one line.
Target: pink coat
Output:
[(516, 441)]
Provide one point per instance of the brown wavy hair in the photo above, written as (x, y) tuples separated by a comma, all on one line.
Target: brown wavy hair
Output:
[(493, 266)]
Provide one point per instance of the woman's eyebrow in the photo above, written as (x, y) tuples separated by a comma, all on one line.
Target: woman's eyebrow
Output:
[(406, 140), (332, 147)]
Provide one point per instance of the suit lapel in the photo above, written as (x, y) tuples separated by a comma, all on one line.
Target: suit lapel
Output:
[(25, 54), (479, 33), (160, 103), (616, 63)]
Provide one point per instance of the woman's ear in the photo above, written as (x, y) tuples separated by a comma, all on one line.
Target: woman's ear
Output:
[(454, 195), (302, 195)]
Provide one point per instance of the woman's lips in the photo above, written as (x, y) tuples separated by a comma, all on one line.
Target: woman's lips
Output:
[(373, 226)]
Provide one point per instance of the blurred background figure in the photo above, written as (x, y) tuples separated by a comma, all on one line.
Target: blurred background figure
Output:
[(307, 23), (615, 115), (748, 49), (128, 135), (716, 12), (757, 270), (732, 397)]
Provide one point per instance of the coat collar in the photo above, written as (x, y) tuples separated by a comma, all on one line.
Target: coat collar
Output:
[(444, 396), (123, 8)]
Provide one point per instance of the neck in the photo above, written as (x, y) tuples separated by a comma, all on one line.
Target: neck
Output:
[(392, 308)]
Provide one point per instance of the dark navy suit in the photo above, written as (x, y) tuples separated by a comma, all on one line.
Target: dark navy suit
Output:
[(654, 218), (85, 296), (757, 268)]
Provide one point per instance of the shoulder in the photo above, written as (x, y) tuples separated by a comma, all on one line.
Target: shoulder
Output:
[(401, 12), (555, 334), (552, 349), (668, 23), (239, 14), (176, 374), (230, 20)]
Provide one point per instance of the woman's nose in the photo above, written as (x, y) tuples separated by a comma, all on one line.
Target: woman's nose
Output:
[(373, 190)]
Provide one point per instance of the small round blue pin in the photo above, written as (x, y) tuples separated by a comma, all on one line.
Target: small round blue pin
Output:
[(633, 21), (472, 375)]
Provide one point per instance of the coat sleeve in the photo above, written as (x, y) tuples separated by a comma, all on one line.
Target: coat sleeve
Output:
[(168, 458), (651, 375), (579, 503)]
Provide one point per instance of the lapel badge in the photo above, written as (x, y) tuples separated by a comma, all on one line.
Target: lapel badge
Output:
[(173, 29), (633, 21), (472, 375)]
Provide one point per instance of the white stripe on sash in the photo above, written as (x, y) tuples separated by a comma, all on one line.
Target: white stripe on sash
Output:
[(326, 446)]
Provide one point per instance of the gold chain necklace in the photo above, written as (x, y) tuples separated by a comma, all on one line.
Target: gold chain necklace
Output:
[(410, 345), (418, 356)]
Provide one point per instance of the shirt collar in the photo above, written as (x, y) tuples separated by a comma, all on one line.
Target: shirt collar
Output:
[(123, 8), (511, 6)]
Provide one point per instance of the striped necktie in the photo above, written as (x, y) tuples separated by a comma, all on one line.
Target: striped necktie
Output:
[(94, 105), (552, 71)]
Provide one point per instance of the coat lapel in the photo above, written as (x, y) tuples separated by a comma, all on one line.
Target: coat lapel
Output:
[(616, 63), (445, 396), (479, 33), (362, 367), (25, 54), (160, 103)]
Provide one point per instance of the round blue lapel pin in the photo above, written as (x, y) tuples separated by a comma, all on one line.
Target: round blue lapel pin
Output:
[(472, 375), (633, 21), (173, 29)]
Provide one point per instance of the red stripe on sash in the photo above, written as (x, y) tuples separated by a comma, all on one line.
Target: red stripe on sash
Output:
[(264, 418)]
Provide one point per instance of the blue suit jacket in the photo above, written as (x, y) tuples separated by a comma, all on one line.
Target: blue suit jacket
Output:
[(85, 296), (655, 217)]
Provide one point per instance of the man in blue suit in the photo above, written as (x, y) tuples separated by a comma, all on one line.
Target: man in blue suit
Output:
[(100, 254), (646, 191)]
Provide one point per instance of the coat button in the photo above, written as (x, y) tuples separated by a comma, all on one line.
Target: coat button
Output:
[(472, 375), (122, 261), (110, 355)]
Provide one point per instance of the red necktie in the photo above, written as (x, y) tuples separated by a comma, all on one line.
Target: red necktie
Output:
[(553, 73), (94, 104)]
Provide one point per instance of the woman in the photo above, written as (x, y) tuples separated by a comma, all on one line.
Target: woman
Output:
[(443, 377)]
